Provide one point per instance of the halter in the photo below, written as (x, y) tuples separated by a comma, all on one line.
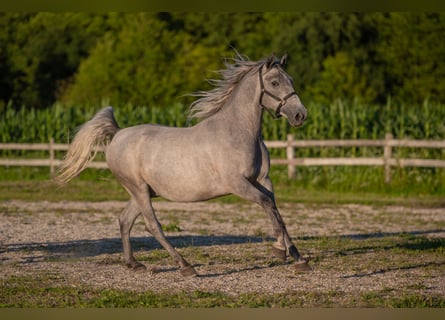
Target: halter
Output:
[(282, 101)]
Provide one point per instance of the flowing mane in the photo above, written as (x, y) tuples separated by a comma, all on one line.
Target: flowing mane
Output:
[(210, 102)]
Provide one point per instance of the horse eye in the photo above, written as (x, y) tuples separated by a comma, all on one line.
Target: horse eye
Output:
[(275, 83)]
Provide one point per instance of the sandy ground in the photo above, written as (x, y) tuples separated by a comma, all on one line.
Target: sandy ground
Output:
[(78, 244)]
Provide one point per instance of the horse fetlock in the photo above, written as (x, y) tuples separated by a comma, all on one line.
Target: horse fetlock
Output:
[(293, 252)]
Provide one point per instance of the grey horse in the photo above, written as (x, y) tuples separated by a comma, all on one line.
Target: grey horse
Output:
[(224, 153)]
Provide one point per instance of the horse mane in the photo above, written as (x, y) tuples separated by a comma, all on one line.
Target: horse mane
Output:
[(210, 102)]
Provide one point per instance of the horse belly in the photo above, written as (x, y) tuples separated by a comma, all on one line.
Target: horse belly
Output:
[(184, 181), (180, 188)]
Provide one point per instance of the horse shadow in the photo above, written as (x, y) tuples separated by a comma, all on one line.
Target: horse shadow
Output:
[(55, 251), (84, 248)]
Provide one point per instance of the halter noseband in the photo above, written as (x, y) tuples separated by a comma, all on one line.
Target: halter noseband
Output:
[(282, 101)]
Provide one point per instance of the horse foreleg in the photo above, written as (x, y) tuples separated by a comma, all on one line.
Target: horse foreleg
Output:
[(126, 222), (279, 248), (284, 244), (262, 194)]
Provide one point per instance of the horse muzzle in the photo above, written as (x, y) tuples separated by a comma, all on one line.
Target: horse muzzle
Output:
[(296, 115)]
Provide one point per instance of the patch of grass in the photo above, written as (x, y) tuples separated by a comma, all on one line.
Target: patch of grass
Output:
[(76, 190), (101, 186), (374, 255), (294, 193), (436, 245), (171, 227), (258, 232), (155, 256), (199, 254), (29, 293), (381, 299), (204, 232)]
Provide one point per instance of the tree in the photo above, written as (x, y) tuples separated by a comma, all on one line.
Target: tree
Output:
[(411, 51), (155, 58), (309, 38), (44, 50), (146, 63), (8, 72), (341, 79)]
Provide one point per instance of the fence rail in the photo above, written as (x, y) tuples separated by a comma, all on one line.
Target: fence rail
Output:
[(290, 145)]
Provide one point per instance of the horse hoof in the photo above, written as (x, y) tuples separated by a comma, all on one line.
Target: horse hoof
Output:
[(302, 266), (280, 254), (188, 271), (136, 266)]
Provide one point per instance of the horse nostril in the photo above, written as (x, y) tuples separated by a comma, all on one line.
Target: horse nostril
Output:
[(299, 117)]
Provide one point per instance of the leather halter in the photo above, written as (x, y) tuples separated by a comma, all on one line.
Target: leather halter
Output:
[(282, 101)]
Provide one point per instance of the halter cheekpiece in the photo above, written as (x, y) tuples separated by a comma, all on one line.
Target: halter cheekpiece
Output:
[(282, 101)]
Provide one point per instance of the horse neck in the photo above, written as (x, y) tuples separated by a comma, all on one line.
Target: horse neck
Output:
[(242, 112)]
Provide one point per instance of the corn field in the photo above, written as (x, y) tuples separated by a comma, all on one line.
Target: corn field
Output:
[(339, 120)]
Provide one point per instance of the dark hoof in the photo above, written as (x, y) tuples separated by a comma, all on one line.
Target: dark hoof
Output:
[(302, 266), (136, 266), (188, 271), (280, 254)]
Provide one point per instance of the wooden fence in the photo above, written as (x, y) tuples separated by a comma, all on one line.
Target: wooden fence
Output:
[(387, 160)]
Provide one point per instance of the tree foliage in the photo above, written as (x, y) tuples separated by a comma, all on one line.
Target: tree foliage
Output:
[(44, 50), (153, 59), (145, 63)]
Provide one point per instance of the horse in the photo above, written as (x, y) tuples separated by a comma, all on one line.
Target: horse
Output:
[(223, 153)]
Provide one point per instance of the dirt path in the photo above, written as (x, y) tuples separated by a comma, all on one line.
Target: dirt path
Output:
[(78, 243)]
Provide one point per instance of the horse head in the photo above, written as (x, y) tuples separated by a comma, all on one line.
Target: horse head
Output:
[(278, 96)]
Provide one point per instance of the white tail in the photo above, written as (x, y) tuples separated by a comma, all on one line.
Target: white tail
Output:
[(94, 134)]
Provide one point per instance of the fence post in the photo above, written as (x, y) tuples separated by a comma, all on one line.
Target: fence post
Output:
[(51, 157), (387, 154), (290, 154)]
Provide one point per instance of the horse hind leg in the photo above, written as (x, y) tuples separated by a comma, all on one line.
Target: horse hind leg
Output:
[(126, 222), (143, 200)]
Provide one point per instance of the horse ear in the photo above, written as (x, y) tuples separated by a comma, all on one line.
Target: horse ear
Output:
[(270, 61), (283, 60)]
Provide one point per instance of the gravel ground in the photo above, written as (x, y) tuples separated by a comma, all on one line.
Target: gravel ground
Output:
[(78, 244)]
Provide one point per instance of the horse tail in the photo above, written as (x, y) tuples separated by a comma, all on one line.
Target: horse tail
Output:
[(93, 136)]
